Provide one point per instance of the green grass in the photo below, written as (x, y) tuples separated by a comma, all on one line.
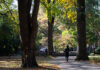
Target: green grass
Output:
[(95, 59)]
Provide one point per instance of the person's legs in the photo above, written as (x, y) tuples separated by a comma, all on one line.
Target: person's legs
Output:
[(67, 59)]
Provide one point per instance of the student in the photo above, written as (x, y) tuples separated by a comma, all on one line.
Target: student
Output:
[(67, 53)]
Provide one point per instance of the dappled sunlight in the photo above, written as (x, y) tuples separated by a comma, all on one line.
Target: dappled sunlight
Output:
[(49, 35), (73, 65), (12, 63)]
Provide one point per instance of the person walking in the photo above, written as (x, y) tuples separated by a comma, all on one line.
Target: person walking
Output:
[(67, 53)]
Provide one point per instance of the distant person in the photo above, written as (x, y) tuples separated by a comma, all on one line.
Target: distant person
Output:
[(67, 52)]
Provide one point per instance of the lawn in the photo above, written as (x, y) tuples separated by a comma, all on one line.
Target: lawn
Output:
[(15, 63), (95, 59)]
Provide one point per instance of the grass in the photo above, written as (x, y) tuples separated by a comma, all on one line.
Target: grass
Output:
[(15, 63), (95, 59)]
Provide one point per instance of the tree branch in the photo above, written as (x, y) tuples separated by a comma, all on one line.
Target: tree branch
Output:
[(35, 9), (10, 11)]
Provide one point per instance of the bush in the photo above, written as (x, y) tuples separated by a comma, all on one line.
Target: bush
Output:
[(97, 50), (92, 54)]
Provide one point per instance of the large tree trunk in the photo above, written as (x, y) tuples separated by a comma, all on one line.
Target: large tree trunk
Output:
[(51, 18), (28, 31), (81, 31)]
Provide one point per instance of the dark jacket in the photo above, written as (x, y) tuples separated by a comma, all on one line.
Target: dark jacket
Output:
[(66, 52)]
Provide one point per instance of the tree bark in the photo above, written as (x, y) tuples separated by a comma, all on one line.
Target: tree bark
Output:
[(51, 18), (81, 31), (28, 32), (50, 36)]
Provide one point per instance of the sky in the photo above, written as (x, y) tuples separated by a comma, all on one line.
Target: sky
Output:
[(15, 2)]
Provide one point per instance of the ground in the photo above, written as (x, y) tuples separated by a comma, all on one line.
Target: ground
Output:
[(14, 63), (73, 65), (59, 63)]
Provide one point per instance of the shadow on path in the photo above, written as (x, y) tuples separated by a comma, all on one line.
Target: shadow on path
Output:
[(73, 65)]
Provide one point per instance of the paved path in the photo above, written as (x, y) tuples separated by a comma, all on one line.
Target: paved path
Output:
[(73, 65)]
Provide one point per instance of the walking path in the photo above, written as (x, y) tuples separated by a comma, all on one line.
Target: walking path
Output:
[(73, 65)]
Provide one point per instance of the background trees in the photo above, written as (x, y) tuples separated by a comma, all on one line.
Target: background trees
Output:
[(51, 19), (66, 13), (59, 21), (49, 5), (9, 37)]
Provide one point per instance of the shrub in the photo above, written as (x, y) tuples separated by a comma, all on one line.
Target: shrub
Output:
[(97, 50)]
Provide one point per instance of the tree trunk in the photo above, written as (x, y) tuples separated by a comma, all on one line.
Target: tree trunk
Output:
[(50, 37), (81, 31), (28, 32), (51, 18)]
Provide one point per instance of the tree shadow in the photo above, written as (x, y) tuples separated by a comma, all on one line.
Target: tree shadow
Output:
[(73, 65)]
